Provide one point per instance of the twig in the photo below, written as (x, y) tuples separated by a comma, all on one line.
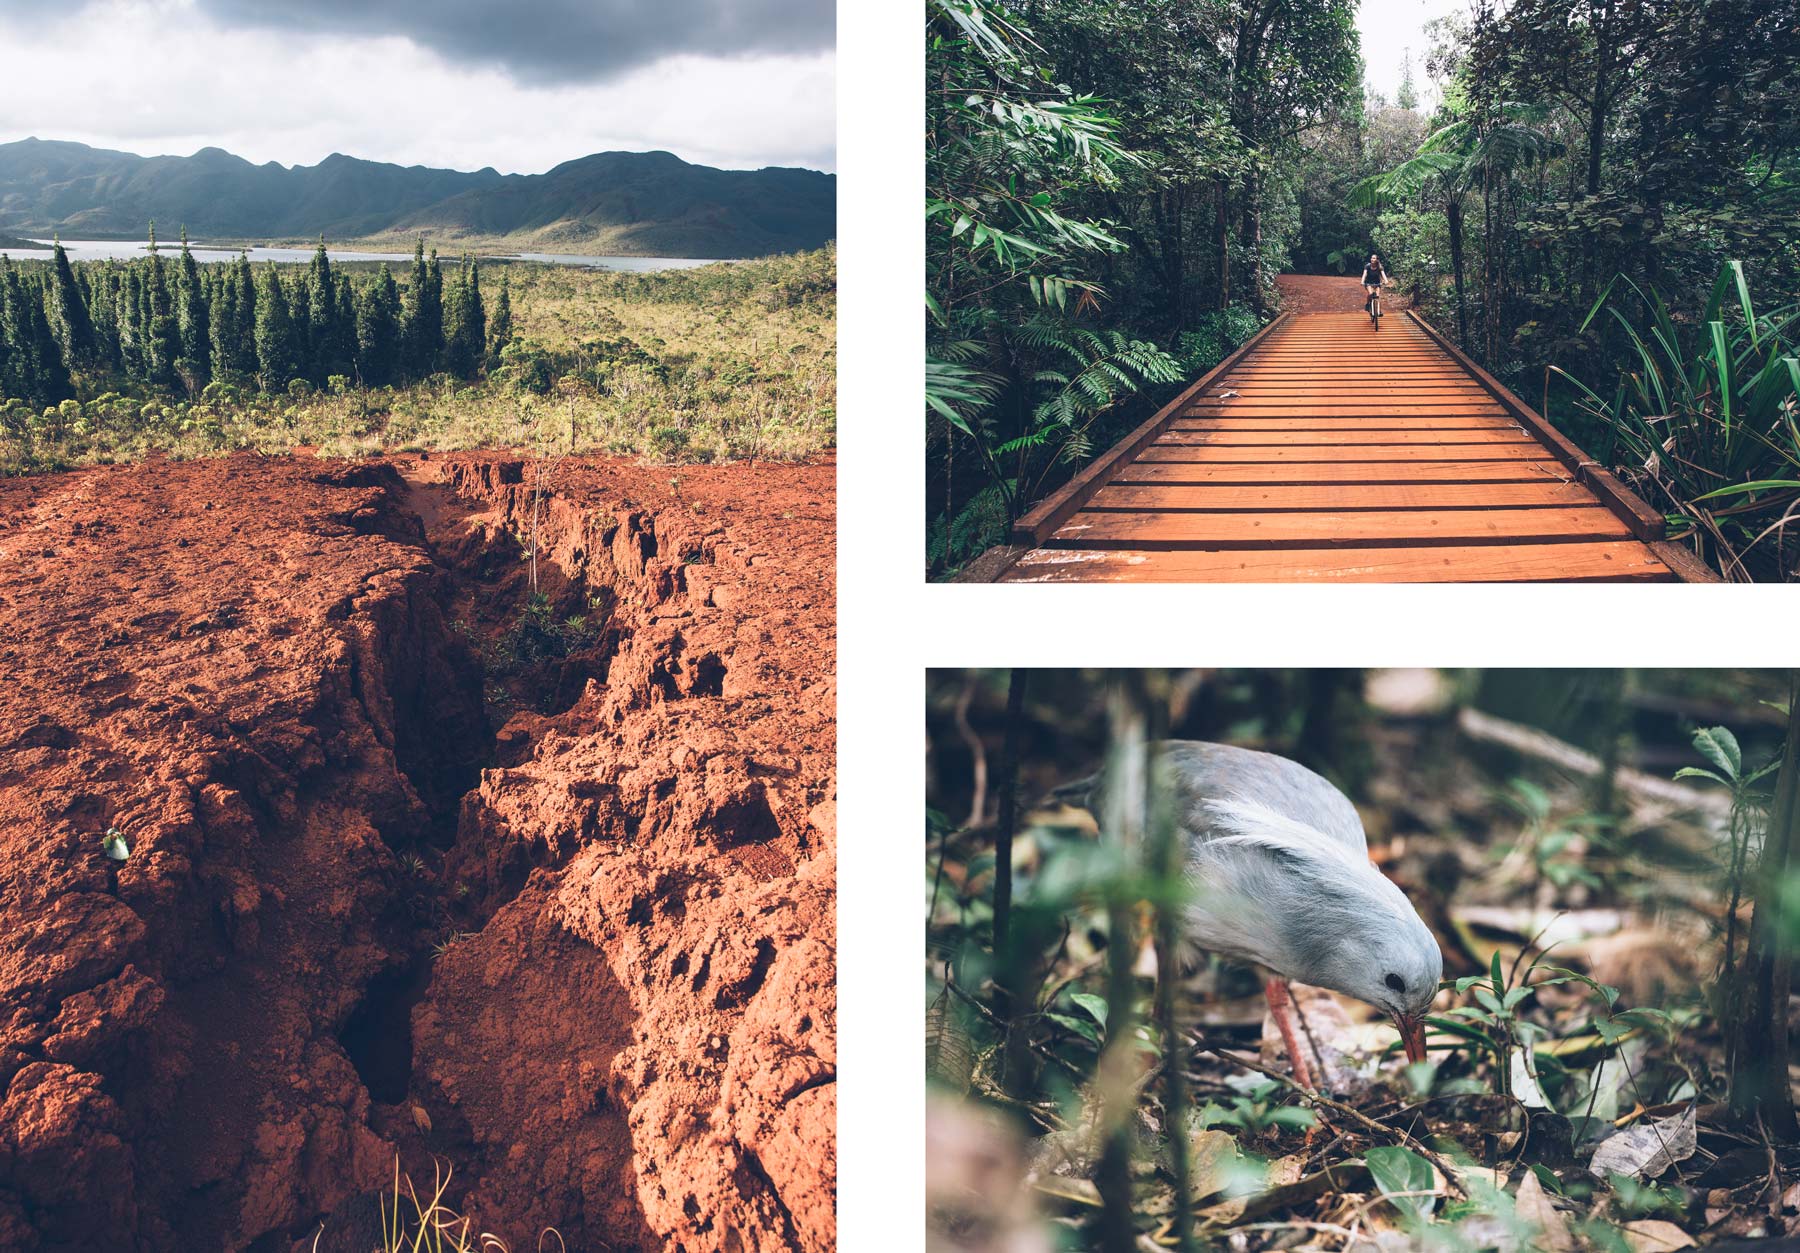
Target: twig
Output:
[(1338, 1107), (993, 1019), (977, 752)]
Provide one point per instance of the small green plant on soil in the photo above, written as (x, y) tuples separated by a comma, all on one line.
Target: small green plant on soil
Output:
[(113, 844), (537, 634), (1256, 1112)]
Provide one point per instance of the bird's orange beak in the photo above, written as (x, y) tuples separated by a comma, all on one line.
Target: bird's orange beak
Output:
[(1412, 1036)]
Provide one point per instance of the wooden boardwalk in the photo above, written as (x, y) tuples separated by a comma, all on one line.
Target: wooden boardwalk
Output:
[(1327, 449)]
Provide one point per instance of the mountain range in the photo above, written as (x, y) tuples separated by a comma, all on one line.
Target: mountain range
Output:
[(621, 203)]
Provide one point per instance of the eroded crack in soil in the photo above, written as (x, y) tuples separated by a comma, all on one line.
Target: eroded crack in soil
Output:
[(541, 888)]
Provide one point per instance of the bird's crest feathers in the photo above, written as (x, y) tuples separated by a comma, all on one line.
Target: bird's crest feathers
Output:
[(1252, 823)]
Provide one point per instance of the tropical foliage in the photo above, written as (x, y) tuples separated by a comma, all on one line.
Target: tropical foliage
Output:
[(1618, 155), (1106, 206)]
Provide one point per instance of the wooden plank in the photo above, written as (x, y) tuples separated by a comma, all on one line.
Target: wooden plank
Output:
[(1233, 422), (1053, 509), (1645, 522), (1341, 438), (1625, 560), (1247, 387), (1338, 409), (1681, 559), (1516, 470), (1339, 497), (1525, 451), (1094, 529)]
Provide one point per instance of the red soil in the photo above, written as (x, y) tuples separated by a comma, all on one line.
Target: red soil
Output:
[(1324, 293), (261, 672)]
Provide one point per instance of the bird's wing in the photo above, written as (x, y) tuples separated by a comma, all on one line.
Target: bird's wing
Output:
[(1206, 777)]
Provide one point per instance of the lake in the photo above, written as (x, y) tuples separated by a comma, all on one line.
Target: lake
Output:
[(127, 249)]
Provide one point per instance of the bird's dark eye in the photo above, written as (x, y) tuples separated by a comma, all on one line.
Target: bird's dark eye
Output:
[(1397, 983)]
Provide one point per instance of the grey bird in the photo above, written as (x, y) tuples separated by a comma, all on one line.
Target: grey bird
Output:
[(1281, 878)]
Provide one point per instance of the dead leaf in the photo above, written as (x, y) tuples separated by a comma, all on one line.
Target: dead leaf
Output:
[(1653, 1235), (1647, 1150), (421, 1119), (1535, 1207), (1286, 1170), (1214, 1167)]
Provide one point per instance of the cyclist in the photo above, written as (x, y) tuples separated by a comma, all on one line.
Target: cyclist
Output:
[(1374, 277)]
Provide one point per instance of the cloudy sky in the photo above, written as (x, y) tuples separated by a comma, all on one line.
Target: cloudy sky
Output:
[(516, 84), (1390, 28)]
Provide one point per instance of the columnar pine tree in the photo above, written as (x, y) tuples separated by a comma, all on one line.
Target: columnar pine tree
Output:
[(343, 325), (192, 317), (52, 376), (223, 316), (424, 316), (277, 344), (298, 294), (33, 364), (162, 338), (128, 311), (465, 323), (14, 377), (379, 336), (328, 357), (500, 327), (243, 330), (74, 328)]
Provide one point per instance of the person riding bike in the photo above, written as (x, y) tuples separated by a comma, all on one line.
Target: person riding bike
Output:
[(1374, 278)]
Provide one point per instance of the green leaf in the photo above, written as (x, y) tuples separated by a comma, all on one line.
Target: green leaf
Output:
[(1398, 1170), (1722, 359), (1695, 772), (1719, 746), (1292, 1116), (1095, 1005), (114, 845), (1080, 1026), (1737, 268)]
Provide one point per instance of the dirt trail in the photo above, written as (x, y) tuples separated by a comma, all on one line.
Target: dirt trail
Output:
[(1325, 293), (412, 868)]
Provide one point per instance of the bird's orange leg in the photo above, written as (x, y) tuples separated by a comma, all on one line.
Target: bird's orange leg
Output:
[(1277, 992)]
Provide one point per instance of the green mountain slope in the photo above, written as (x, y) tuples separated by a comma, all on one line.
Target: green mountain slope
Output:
[(633, 203)]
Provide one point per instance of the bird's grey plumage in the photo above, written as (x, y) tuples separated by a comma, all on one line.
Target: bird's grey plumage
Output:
[(1281, 874)]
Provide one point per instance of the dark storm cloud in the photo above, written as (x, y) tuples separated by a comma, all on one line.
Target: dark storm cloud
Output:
[(537, 40), (566, 40)]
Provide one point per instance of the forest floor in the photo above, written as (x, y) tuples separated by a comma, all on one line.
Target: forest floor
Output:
[(411, 860), (1574, 1100), (1325, 293)]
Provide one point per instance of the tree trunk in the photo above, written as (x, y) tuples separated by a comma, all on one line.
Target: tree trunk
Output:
[(1252, 238), (1222, 231), (1597, 104), (1759, 1081), (1453, 214)]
